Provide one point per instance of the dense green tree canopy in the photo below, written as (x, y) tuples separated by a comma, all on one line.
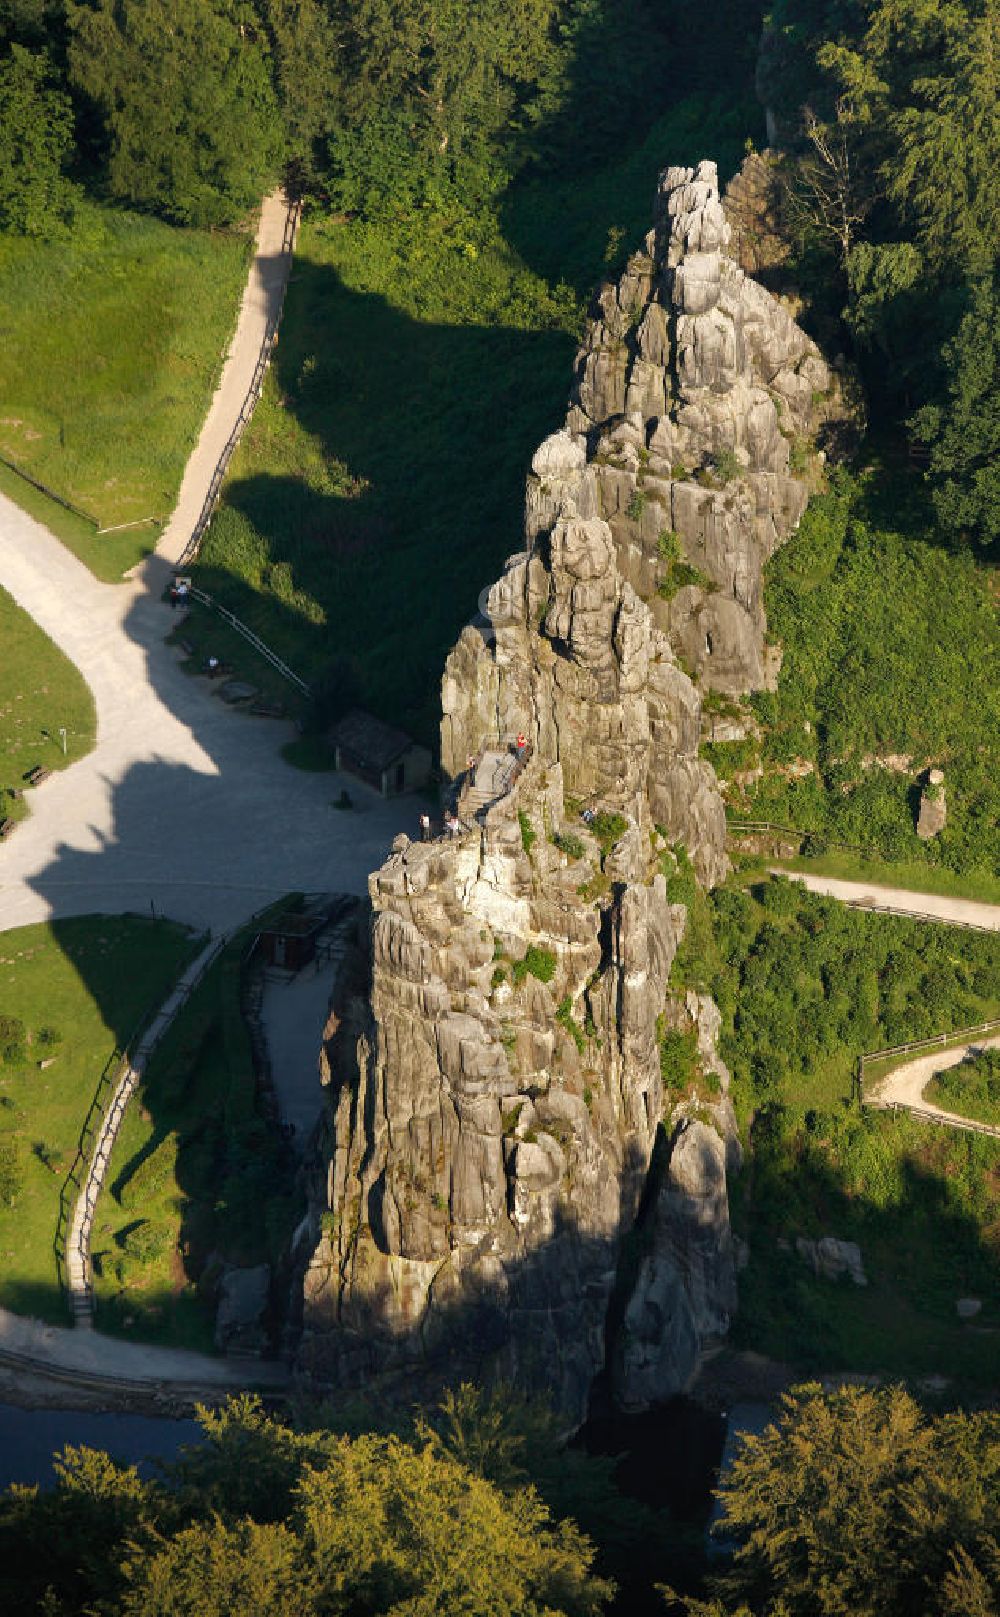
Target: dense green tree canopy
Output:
[(268, 1522), (855, 1504), (36, 135), (963, 433), (186, 93)]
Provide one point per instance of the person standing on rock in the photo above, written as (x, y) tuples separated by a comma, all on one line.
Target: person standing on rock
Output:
[(425, 828)]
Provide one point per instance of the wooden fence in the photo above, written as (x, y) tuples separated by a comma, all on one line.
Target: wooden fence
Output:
[(937, 1041)]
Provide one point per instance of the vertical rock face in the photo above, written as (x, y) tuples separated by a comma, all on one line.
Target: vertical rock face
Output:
[(496, 1085), (697, 393)]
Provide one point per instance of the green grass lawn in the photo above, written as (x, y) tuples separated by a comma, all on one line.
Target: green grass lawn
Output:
[(380, 485), (40, 693), (79, 987), (112, 342), (197, 1177)]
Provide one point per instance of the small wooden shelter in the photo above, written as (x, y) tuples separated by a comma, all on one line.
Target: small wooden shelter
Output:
[(289, 939), (381, 756)]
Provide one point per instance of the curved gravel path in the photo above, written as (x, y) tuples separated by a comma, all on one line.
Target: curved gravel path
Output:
[(905, 1086), (900, 900), (184, 808)]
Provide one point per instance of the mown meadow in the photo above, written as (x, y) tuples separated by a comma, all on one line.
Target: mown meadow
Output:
[(114, 335), (41, 694)]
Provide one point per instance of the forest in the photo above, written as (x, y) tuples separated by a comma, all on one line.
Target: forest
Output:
[(888, 110)]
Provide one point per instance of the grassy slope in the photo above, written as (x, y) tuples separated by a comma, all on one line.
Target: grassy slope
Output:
[(891, 646), (380, 486), (805, 985), (40, 691), (228, 1184), (89, 979), (112, 343)]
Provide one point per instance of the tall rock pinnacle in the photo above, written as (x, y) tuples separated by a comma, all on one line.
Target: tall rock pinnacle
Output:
[(496, 1084)]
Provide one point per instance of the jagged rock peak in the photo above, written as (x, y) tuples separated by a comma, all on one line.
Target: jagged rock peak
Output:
[(498, 1119), (700, 400)]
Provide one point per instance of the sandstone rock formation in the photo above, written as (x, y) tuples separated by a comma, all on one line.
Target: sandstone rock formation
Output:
[(698, 394), (498, 1120), (933, 814)]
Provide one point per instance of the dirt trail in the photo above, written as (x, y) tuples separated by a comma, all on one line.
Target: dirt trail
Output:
[(261, 304), (900, 900), (905, 1086)]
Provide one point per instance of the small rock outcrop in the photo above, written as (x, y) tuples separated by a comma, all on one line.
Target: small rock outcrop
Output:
[(933, 813), (830, 1258), (498, 1122)]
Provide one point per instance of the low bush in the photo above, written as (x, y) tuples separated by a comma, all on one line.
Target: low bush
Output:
[(149, 1175), (568, 843), (971, 1088), (566, 1020), (13, 1040), (528, 833), (678, 1053), (537, 962)]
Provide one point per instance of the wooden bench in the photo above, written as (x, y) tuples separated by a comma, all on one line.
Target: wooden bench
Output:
[(35, 776)]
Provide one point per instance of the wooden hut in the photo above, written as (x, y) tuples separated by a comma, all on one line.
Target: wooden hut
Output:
[(381, 756)]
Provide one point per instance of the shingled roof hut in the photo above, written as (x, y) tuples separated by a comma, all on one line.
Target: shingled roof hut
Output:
[(381, 756)]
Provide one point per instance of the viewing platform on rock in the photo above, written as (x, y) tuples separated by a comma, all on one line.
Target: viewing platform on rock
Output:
[(491, 774)]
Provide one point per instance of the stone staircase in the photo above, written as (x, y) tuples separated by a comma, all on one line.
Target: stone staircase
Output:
[(494, 776)]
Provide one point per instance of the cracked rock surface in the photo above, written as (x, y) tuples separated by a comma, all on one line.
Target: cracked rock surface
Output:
[(504, 1173)]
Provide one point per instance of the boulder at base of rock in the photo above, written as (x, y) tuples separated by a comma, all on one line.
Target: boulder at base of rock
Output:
[(829, 1258), (968, 1307), (933, 808), (239, 1319)]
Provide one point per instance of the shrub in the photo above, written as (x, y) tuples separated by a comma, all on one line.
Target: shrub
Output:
[(528, 832), (569, 844), (48, 1036), (636, 505), (565, 1018), (13, 1039), (538, 962), (144, 1242), (607, 828), (149, 1175), (677, 1058), (727, 467)]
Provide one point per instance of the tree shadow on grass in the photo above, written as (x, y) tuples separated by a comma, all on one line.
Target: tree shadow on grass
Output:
[(927, 1241), (378, 554)]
